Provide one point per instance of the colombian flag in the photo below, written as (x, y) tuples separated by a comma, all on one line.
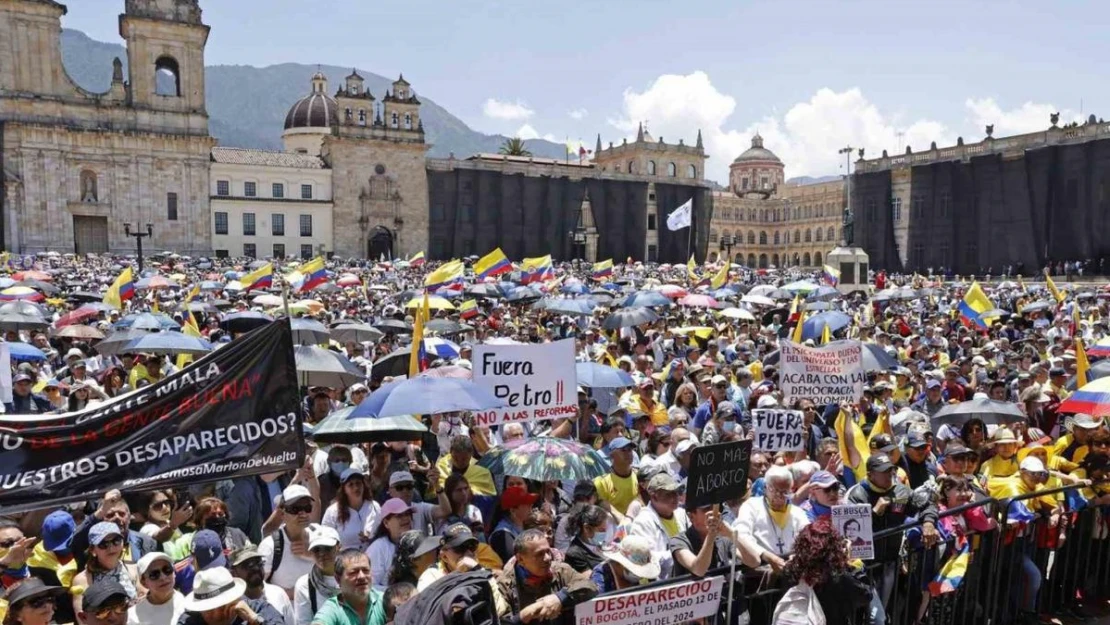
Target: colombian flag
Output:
[(417, 259), (536, 269), (493, 264), (261, 278), (691, 270), (468, 309), (446, 274), (830, 275), (974, 303), (193, 294), (1092, 399), (121, 290), (720, 278), (314, 274), (953, 572), (1101, 349), (603, 270), (1082, 365)]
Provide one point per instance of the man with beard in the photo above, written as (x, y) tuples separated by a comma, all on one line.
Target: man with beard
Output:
[(357, 602), (246, 564)]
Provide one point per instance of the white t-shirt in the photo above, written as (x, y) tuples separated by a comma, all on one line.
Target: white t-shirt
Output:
[(146, 613), (381, 559), (279, 599), (365, 519), (302, 602), (292, 566)]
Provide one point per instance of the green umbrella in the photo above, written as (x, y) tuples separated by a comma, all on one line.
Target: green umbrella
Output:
[(339, 428), (546, 459)]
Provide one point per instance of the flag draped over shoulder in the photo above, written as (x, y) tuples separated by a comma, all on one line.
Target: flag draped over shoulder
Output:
[(603, 269), (444, 275), (121, 290), (493, 264), (975, 303), (261, 278)]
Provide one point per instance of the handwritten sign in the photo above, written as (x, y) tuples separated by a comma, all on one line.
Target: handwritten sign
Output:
[(718, 473), (675, 604), (778, 430), (537, 381), (825, 375), (853, 521)]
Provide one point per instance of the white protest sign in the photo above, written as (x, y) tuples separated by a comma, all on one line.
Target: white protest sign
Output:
[(537, 381), (778, 430), (828, 374), (853, 521), (665, 605)]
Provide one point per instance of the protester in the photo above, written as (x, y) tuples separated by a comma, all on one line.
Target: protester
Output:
[(162, 604), (766, 527), (353, 514), (358, 602), (312, 590), (285, 553), (822, 560), (537, 589), (105, 561), (220, 599), (247, 564)]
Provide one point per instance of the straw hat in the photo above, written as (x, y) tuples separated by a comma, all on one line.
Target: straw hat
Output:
[(635, 555), (1003, 435)]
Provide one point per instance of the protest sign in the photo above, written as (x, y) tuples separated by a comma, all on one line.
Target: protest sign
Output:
[(233, 413), (718, 473), (828, 374), (537, 382), (675, 604), (853, 521), (778, 430), (5, 373)]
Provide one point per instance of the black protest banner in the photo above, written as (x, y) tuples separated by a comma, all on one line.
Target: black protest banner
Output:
[(234, 412), (718, 473)]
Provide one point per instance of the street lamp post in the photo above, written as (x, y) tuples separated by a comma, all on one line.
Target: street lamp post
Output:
[(847, 152), (139, 236)]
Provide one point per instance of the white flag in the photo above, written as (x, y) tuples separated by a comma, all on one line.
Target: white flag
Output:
[(680, 218)]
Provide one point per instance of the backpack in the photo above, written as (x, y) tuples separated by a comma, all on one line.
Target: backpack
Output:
[(799, 606), (279, 549)]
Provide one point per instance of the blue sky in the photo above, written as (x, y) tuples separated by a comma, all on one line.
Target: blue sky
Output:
[(810, 76)]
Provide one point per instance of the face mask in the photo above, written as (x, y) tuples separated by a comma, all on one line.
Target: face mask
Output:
[(729, 426), (597, 540), (216, 524), (339, 467)]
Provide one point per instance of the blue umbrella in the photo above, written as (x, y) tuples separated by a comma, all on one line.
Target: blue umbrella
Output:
[(232, 275), (24, 351), (823, 292), (647, 298), (426, 395), (568, 306), (818, 306), (211, 285), (597, 375), (146, 321), (172, 343), (801, 286), (723, 293), (575, 288), (815, 325)]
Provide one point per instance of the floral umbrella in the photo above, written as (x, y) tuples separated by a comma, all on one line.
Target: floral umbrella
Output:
[(546, 459)]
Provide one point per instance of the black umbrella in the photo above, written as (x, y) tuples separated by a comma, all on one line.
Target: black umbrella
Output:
[(85, 296), (393, 326), (1100, 369), (768, 316), (355, 332), (18, 321), (629, 317), (489, 291), (990, 411), (395, 363), (245, 321), (28, 309), (339, 428)]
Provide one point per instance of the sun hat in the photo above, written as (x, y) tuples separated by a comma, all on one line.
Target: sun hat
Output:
[(635, 555), (30, 587), (1086, 421), (517, 496), (102, 530), (1003, 435), (213, 588)]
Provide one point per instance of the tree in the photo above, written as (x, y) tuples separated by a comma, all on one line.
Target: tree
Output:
[(514, 147)]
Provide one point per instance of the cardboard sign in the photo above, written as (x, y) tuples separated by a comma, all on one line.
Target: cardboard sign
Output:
[(778, 430), (853, 521), (537, 382), (675, 604), (718, 473), (829, 374)]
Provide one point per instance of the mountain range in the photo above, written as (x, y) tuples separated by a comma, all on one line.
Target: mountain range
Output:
[(247, 105)]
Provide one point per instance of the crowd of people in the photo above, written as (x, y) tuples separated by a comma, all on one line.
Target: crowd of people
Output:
[(417, 531)]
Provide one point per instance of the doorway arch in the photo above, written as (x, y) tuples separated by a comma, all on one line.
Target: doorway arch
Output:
[(380, 244)]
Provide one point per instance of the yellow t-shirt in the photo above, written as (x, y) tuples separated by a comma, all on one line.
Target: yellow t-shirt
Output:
[(670, 526), (904, 394), (999, 467), (618, 491)]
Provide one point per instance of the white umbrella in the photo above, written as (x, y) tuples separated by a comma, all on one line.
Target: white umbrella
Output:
[(737, 313), (267, 300), (758, 300)]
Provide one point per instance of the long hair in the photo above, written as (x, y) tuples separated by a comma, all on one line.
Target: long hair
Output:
[(343, 503), (584, 515), (450, 484), (819, 553)]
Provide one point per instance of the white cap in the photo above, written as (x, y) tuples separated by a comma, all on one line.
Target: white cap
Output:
[(293, 493), (321, 536), (150, 558), (766, 401), (684, 446), (1032, 464)]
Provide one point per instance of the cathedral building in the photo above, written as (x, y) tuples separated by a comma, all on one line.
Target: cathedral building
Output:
[(761, 220)]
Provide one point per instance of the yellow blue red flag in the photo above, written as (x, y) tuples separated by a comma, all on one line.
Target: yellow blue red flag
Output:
[(539, 269), (121, 290), (417, 259), (261, 278), (974, 304), (603, 269), (493, 264), (444, 275), (830, 275), (314, 274)]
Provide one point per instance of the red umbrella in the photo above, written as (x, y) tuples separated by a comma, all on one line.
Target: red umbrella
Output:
[(699, 301), (77, 316), (672, 291), (32, 275), (348, 279)]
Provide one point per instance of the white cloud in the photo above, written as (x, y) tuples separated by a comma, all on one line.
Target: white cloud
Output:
[(497, 109), (1029, 117), (527, 132), (578, 113)]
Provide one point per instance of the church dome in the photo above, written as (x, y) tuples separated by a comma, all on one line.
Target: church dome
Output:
[(757, 153), (315, 110)]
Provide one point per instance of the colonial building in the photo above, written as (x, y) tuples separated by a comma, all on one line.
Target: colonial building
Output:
[(78, 165), (1018, 201), (763, 221)]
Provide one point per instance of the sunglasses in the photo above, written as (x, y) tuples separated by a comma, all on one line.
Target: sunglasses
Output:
[(165, 503), (403, 487), (304, 509), (8, 544), (835, 488), (39, 602), (106, 612), (111, 542), (720, 386), (157, 574), (1104, 443)]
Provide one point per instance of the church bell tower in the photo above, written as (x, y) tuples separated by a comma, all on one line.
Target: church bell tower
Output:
[(165, 55)]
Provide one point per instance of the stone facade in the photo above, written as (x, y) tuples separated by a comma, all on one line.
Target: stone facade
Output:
[(649, 157), (77, 165), (772, 223)]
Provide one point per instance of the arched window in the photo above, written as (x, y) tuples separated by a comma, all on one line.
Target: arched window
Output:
[(809, 235), (631, 167), (805, 260), (817, 258), (617, 167), (763, 237), (362, 117), (672, 171), (751, 237), (763, 261), (775, 260), (691, 171), (167, 77), (797, 236), (408, 121), (796, 260), (713, 236), (751, 261), (830, 235), (394, 120), (819, 235), (777, 241), (651, 168)]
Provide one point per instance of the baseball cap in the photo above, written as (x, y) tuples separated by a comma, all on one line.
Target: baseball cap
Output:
[(458, 535), (883, 443), (932, 383), (646, 383), (663, 482), (766, 401), (394, 506), (956, 448), (150, 558), (208, 550), (916, 439), (401, 477), (718, 379), (74, 353), (824, 479), (685, 446), (726, 410), (243, 554), (103, 530), (879, 462), (349, 473), (621, 442), (57, 530), (101, 593), (322, 536), (1032, 464), (21, 377), (1057, 371), (294, 492)]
